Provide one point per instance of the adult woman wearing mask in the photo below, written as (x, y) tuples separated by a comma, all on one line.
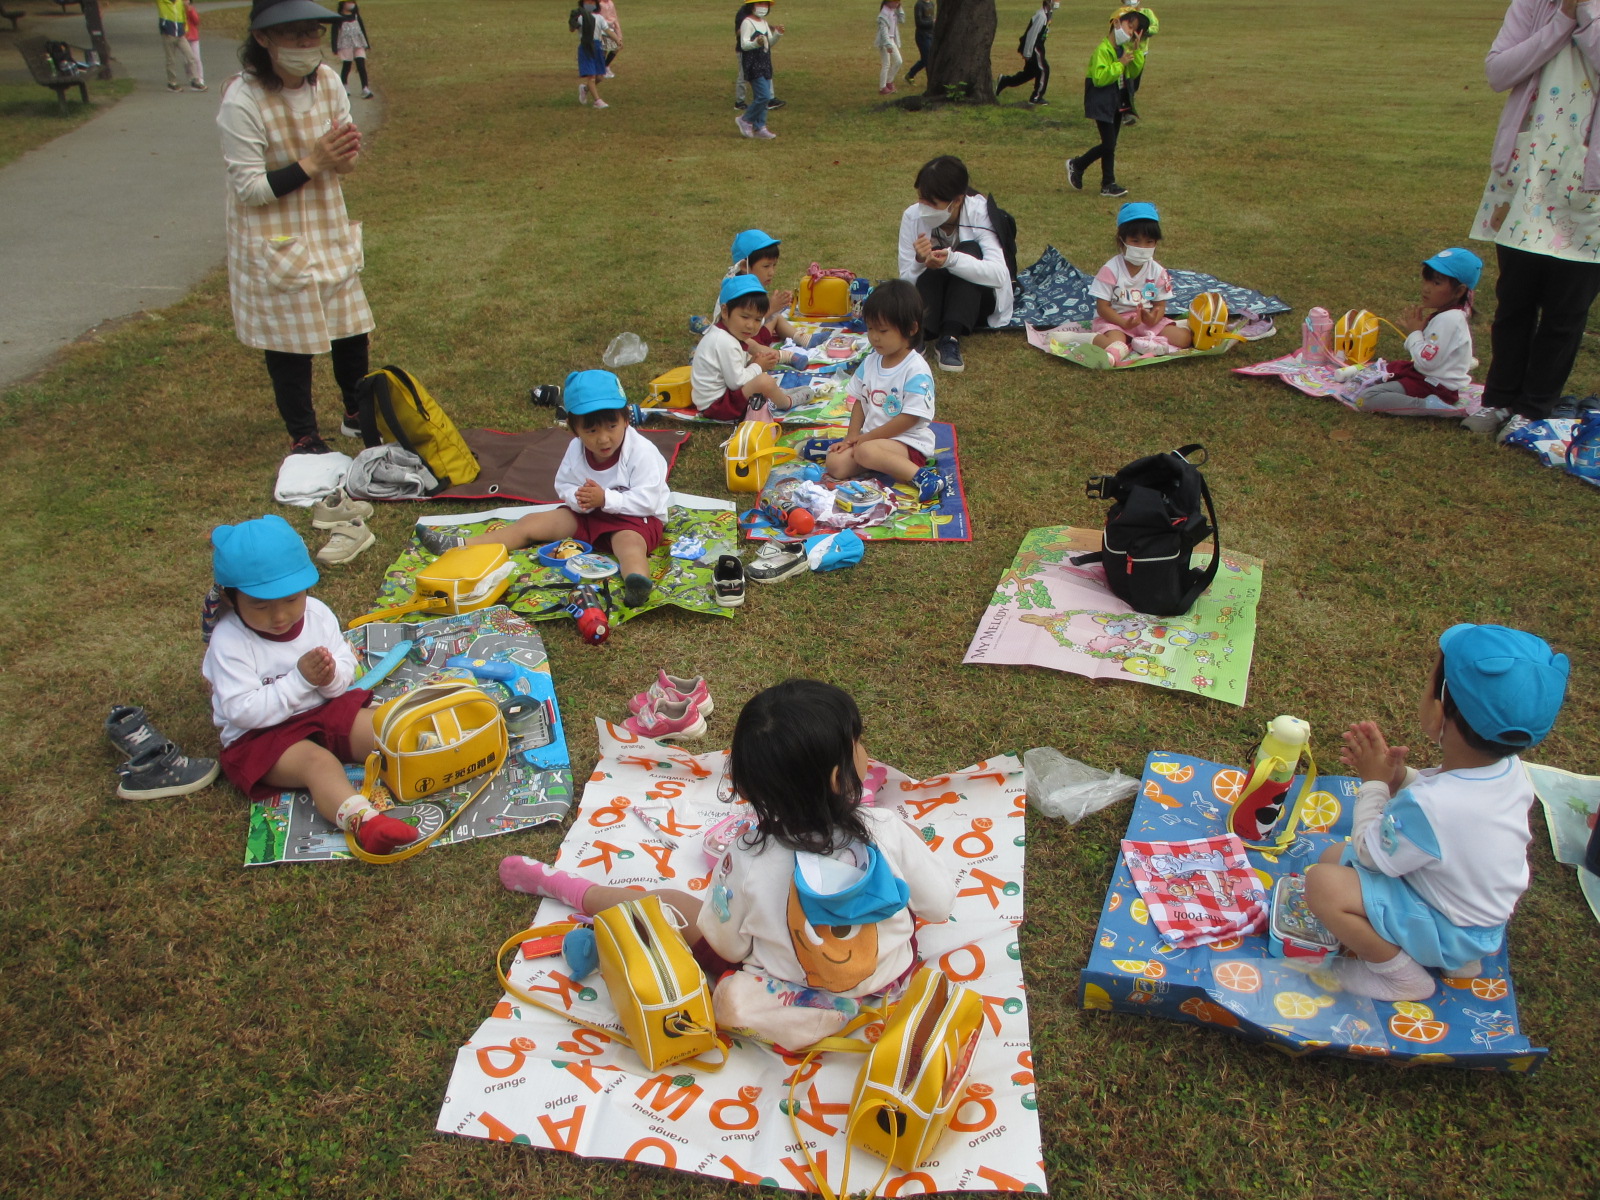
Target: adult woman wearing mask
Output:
[(1545, 223), (950, 250), (294, 256)]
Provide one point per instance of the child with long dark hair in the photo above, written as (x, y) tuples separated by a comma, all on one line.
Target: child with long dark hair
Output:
[(350, 45)]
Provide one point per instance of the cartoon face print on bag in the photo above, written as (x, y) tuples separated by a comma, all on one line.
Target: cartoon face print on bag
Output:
[(834, 957)]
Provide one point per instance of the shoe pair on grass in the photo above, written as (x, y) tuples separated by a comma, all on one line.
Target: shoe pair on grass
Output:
[(674, 707), (155, 768)]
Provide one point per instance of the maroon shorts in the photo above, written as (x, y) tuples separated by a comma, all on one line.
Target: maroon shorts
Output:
[(596, 528), (1404, 372), (917, 457), (731, 407), (246, 761)]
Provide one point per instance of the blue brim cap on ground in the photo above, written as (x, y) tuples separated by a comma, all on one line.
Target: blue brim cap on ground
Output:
[(1461, 265), (1508, 685), (735, 286), (264, 558), (1137, 210), (751, 240), (592, 391), (266, 13)]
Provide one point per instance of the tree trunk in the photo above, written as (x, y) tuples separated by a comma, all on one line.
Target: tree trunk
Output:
[(97, 35), (963, 37)]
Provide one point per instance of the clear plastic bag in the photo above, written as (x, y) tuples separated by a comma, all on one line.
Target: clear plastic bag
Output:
[(625, 350), (1059, 786)]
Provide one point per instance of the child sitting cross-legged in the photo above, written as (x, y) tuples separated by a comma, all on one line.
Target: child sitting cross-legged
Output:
[(755, 252), (892, 391), (1438, 858), (280, 675), (727, 381), (1131, 293), (613, 487)]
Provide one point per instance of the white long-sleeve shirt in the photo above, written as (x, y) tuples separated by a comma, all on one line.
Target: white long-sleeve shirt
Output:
[(256, 682), (1442, 350), (245, 146), (889, 21), (752, 29), (990, 271), (721, 364), (635, 485)]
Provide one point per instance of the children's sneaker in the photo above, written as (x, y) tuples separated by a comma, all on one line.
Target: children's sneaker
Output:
[(583, 93), (350, 425), (338, 507), (775, 103), (366, 93), (674, 688), (636, 590), (776, 561), (764, 132), (311, 443), (346, 540), (436, 539), (130, 731), (1513, 423), (162, 771), (745, 128), (546, 395), (949, 350), (1074, 175), (816, 449), (1486, 420), (194, 85), (669, 719), (929, 484), (601, 104), (1151, 347), (1113, 190), (727, 581)]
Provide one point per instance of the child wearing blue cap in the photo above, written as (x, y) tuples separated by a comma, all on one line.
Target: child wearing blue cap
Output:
[(1131, 292), (726, 382), (280, 674), (755, 252), (1438, 336), (1438, 858), (612, 482)]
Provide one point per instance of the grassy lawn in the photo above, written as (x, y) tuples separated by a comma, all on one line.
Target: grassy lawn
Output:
[(30, 116), (177, 1026)]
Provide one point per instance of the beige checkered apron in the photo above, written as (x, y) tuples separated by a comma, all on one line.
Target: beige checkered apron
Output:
[(294, 264)]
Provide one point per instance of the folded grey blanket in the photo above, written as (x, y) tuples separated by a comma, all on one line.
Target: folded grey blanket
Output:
[(389, 473)]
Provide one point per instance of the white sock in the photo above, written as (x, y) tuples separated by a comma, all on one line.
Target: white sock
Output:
[(1069, 337), (1401, 978), (352, 810)]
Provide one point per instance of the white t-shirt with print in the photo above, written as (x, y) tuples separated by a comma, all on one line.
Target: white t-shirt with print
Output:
[(889, 392), (1124, 292)]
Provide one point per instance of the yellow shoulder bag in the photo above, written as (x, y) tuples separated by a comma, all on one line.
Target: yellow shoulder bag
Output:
[(1208, 321), (464, 579), (750, 454)]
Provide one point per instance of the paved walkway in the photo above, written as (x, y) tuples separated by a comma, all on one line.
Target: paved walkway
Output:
[(123, 213)]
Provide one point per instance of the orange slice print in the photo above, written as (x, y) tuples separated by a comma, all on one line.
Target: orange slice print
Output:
[(1416, 1029), (1227, 784), (1238, 976), (1178, 773)]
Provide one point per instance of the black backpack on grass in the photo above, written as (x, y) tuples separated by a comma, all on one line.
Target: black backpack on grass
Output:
[(1154, 525)]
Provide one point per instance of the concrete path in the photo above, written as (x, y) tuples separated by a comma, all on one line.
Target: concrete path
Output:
[(125, 212)]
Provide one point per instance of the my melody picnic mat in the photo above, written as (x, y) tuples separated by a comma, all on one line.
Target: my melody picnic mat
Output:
[(1291, 1004), (1318, 380), (827, 407), (528, 1076), (1048, 613), (1571, 807), (535, 785), (537, 591)]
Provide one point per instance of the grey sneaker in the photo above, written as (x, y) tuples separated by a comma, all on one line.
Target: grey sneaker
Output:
[(777, 561), (130, 731), (162, 771), (337, 508), (1486, 420), (1513, 423), (436, 539)]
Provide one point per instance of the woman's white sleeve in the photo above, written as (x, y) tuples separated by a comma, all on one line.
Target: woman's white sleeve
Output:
[(910, 268), (244, 148)]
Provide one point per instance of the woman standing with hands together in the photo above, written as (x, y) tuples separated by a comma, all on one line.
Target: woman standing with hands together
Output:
[(294, 256)]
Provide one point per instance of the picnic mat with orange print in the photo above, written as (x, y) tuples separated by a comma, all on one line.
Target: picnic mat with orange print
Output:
[(528, 1076), (1292, 1005)]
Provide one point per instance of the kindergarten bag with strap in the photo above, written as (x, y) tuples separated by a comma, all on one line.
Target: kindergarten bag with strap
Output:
[(1156, 521), (394, 407), (750, 454), (825, 294), (1208, 321), (462, 579)]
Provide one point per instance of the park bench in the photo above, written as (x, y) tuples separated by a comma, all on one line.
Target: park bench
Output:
[(13, 17), (46, 72)]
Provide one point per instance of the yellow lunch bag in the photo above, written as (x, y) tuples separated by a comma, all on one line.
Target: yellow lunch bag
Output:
[(464, 579), (750, 454), (825, 294), (438, 736), (1208, 321), (670, 390), (1355, 336), (394, 407)]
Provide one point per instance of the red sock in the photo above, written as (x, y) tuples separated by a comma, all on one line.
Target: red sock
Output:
[(378, 834)]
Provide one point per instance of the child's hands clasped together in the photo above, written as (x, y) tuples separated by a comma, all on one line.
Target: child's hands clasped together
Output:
[(317, 667), (1369, 755)]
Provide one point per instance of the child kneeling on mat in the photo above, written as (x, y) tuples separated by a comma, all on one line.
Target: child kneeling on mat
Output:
[(1438, 337), (280, 674), (724, 382), (1438, 858), (816, 907), (613, 487), (1131, 293)]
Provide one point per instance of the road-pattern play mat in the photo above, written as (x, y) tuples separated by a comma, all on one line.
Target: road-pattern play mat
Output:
[(528, 1076), (535, 785), (1318, 380), (1048, 613), (1090, 356), (1571, 807), (1293, 1005), (537, 592), (946, 521), (1052, 292)]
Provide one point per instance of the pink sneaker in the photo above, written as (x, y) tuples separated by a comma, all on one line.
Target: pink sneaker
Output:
[(764, 132), (669, 719), (674, 687), (601, 104)]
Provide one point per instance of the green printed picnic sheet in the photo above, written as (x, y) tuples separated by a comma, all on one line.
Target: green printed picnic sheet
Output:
[(538, 592), (1571, 806)]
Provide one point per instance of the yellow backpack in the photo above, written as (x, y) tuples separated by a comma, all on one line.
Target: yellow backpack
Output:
[(464, 579), (1208, 321), (394, 407), (750, 453), (1355, 337), (825, 294)]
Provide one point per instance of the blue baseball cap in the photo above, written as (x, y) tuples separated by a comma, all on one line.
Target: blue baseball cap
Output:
[(751, 240), (1461, 265), (264, 558), (1508, 684), (592, 391), (1137, 210), (735, 286)]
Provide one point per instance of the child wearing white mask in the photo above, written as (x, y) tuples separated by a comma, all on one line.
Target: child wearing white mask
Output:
[(1131, 293), (1118, 58), (755, 52)]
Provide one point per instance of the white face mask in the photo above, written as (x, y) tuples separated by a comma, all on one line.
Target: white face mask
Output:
[(1138, 255), (930, 217), (761, 10), (297, 60), (1122, 35)]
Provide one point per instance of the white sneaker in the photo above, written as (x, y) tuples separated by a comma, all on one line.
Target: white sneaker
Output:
[(345, 541), (337, 508), (583, 93), (601, 104), (764, 132), (1513, 423), (745, 127), (1151, 347), (610, 74), (777, 561), (1485, 420)]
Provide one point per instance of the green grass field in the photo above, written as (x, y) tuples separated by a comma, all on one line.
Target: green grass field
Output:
[(178, 1027)]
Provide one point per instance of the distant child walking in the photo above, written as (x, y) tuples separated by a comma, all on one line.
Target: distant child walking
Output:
[(1438, 336), (612, 42), (923, 15), (1031, 46), (890, 17), (191, 47), (590, 26), (1118, 57), (350, 45), (755, 56)]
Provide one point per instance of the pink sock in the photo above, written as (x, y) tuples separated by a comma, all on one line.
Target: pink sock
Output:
[(533, 878)]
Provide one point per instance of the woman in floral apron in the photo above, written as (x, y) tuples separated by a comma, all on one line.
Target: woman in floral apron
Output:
[(1541, 207), (294, 256)]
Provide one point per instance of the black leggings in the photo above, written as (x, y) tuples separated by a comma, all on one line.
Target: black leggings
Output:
[(291, 382), (1541, 307), (1037, 69), (952, 306), (1106, 151), (361, 67)]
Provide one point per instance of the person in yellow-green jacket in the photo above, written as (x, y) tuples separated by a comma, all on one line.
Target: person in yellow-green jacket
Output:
[(1130, 87), (1118, 58)]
